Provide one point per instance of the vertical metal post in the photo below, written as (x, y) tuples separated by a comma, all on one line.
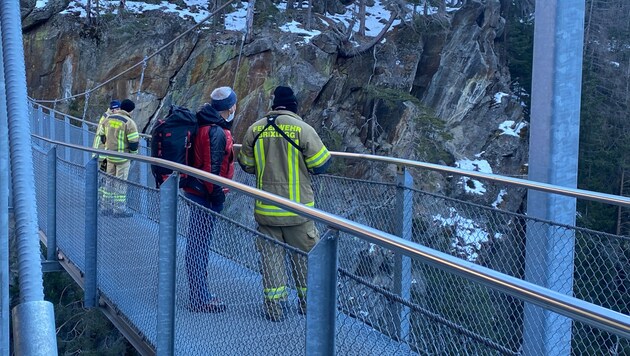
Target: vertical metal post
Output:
[(91, 231), (144, 174), (51, 208), (40, 121), (33, 318), (4, 215), (402, 264), (553, 159), (143, 177), (66, 134), (321, 294), (86, 141), (167, 264), (52, 126)]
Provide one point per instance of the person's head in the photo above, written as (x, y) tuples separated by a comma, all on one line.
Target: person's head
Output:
[(127, 105), (224, 101), (114, 105), (284, 99)]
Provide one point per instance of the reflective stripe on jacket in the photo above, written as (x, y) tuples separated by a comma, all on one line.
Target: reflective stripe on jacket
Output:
[(98, 144), (281, 168), (121, 135)]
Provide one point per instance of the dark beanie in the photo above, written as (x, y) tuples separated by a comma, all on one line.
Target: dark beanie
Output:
[(114, 104), (283, 98), (127, 105)]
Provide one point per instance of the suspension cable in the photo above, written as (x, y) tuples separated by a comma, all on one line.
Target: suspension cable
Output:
[(85, 107), (238, 63), (144, 67)]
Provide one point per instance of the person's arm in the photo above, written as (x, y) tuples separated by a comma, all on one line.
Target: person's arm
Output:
[(133, 137), (97, 136), (316, 155), (217, 149), (246, 154), (217, 153), (101, 131)]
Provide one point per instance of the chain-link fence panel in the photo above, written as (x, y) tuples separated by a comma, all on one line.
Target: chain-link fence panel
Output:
[(369, 203), (40, 169), (384, 308), (596, 262), (409, 323), (71, 211), (219, 281), (128, 256)]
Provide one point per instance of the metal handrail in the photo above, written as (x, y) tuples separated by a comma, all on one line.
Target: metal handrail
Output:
[(518, 182), (523, 183), (89, 123), (568, 306)]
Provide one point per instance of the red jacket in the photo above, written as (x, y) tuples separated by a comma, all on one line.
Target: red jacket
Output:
[(213, 152)]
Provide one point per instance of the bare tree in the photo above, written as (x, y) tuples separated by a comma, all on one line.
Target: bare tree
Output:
[(362, 16), (250, 21), (441, 8), (309, 15), (355, 51), (218, 19), (88, 11)]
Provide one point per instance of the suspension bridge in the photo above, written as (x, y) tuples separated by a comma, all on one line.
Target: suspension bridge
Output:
[(398, 270)]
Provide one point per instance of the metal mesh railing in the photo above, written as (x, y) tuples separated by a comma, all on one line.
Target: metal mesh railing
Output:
[(387, 304)]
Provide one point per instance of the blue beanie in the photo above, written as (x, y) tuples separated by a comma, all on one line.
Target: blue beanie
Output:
[(223, 98), (114, 104)]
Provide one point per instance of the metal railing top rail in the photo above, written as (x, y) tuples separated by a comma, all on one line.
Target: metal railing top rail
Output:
[(519, 182), (523, 183), (571, 307), (89, 123)]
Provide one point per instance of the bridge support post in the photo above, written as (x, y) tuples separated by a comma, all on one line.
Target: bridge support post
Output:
[(144, 173), (5, 204), (91, 231), (402, 264), (321, 296), (553, 159), (51, 205), (66, 134), (40, 121), (52, 126), (167, 266), (86, 141), (143, 178)]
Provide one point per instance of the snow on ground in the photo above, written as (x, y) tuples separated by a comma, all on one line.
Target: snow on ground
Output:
[(473, 186), (499, 199), (511, 128), (294, 27), (469, 235), (377, 14)]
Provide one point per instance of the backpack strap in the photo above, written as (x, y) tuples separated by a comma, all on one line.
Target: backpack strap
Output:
[(271, 121)]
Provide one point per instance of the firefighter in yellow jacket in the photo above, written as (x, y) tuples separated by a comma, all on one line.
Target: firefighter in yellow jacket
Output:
[(114, 106), (283, 151), (119, 133)]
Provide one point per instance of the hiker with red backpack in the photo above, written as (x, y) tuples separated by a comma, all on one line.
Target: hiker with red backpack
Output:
[(212, 152)]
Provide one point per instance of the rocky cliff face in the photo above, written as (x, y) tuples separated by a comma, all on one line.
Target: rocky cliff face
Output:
[(434, 89)]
